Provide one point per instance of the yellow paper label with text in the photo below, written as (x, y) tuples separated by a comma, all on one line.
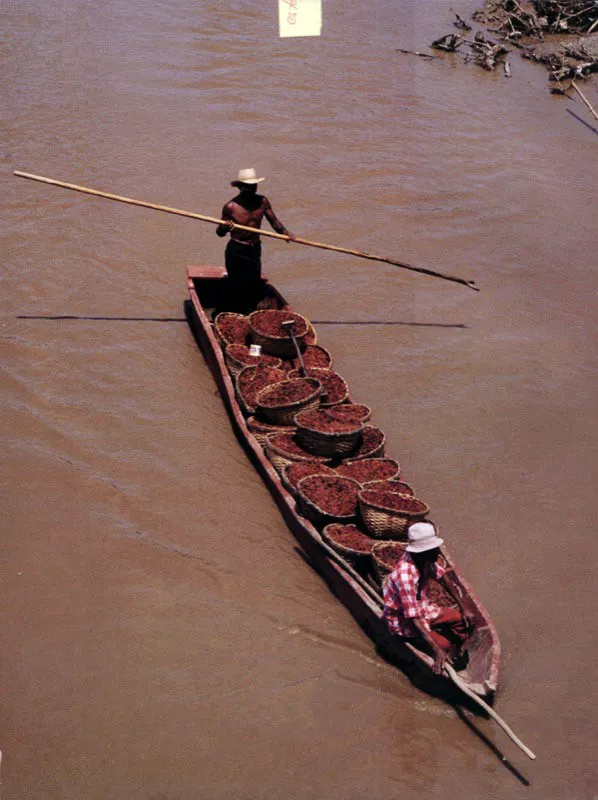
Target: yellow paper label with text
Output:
[(300, 17)]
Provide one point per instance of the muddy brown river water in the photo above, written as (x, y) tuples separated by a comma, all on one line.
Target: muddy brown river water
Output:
[(162, 637)]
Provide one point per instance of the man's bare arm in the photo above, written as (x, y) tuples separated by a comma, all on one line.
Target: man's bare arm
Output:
[(468, 613), (274, 221), (227, 214)]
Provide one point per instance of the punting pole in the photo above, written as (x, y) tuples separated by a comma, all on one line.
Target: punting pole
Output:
[(488, 709), (215, 221)]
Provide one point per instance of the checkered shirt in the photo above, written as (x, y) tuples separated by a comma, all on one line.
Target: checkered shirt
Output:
[(401, 603)]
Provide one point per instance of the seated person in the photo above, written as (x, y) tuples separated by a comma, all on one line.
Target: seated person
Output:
[(408, 611)]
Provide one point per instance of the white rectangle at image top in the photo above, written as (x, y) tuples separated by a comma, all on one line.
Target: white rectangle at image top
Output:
[(300, 17)]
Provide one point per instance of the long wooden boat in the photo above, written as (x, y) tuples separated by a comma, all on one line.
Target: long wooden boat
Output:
[(208, 288)]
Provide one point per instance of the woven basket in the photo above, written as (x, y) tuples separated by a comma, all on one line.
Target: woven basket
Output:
[(315, 357), (281, 346), (350, 410), (311, 337), (310, 510), (323, 375), (352, 469), (355, 557), (284, 414), (235, 364), (248, 373), (376, 450), (333, 444), (280, 458), (385, 557), (400, 487), (388, 523), (219, 328), (261, 430), (315, 468)]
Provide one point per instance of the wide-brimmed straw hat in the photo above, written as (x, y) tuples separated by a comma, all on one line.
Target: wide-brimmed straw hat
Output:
[(422, 537), (247, 176)]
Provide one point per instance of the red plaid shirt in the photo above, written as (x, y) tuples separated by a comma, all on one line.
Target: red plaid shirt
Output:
[(401, 603)]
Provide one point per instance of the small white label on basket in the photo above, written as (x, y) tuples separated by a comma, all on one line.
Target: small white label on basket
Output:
[(255, 349), (300, 17)]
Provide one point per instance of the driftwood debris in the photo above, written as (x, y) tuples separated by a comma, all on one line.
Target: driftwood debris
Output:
[(531, 25)]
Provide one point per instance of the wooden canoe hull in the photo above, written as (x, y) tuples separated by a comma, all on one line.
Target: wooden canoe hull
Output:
[(206, 284)]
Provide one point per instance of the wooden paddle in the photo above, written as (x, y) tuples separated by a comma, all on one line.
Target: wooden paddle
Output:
[(450, 671), (215, 221)]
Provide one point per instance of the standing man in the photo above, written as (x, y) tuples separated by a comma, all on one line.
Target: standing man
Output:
[(243, 254), (409, 612)]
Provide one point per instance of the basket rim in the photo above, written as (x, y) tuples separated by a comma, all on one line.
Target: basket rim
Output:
[(326, 535), (324, 404), (311, 396), (348, 462), (267, 427), (320, 510), (251, 409), (326, 434), (271, 336), (375, 447), (383, 543), (318, 464), (292, 456), (394, 511), (366, 420), (372, 484)]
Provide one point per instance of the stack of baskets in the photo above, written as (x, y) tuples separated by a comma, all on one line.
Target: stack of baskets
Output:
[(231, 328), (251, 381), (237, 357), (261, 430), (372, 443), (368, 470), (387, 515), (322, 435), (334, 388), (351, 543), (267, 331), (282, 450), (385, 557), (297, 470), (324, 499), (279, 403)]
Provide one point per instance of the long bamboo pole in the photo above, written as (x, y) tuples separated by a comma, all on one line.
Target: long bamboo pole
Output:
[(584, 98), (215, 221), (488, 709)]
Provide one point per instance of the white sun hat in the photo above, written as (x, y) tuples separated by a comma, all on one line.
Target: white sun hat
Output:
[(247, 176), (422, 537)]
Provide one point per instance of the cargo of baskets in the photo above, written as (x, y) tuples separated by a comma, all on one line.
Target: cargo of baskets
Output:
[(237, 357), (231, 328), (322, 435), (366, 470), (250, 382), (334, 388), (372, 443), (279, 403), (387, 515), (327, 498), (283, 449), (261, 430), (315, 357), (267, 331), (385, 557), (353, 545), (293, 473)]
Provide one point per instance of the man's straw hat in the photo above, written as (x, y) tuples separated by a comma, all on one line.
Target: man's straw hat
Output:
[(422, 537), (247, 176)]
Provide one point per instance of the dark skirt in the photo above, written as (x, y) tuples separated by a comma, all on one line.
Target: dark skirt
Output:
[(244, 268)]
